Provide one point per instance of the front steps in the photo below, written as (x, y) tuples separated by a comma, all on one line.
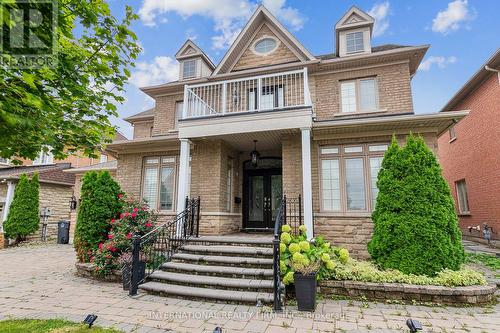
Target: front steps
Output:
[(234, 269)]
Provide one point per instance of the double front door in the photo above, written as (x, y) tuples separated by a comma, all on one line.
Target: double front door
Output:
[(263, 192)]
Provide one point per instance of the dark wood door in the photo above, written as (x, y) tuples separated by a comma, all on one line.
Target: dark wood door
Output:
[(262, 197)]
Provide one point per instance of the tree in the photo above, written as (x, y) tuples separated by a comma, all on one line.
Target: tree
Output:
[(23, 218), (415, 223), (100, 202), (75, 98)]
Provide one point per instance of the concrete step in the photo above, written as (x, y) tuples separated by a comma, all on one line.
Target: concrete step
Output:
[(223, 260), (241, 251), (206, 293), (222, 271), (216, 282), (265, 240)]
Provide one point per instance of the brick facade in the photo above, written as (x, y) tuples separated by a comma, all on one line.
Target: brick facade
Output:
[(475, 156), (143, 129), (165, 113)]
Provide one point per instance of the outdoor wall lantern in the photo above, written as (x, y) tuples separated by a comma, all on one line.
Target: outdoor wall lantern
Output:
[(72, 203), (255, 154)]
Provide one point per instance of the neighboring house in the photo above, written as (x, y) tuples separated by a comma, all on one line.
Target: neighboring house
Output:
[(56, 190), (470, 151), (78, 174), (318, 127)]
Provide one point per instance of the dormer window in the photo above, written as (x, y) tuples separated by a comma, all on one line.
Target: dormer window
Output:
[(354, 42), (189, 69)]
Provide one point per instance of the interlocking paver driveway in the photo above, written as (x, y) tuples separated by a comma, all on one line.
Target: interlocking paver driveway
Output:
[(40, 282)]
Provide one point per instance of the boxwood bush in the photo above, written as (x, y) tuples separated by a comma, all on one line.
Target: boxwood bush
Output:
[(415, 223), (100, 202)]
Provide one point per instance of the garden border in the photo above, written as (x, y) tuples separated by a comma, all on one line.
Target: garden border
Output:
[(409, 292), (87, 270)]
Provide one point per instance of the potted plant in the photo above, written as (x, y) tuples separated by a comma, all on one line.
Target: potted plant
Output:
[(305, 280)]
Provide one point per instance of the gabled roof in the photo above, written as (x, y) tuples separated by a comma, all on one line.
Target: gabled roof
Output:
[(354, 18), (189, 49), (144, 115), (479, 77), (244, 37), (49, 173)]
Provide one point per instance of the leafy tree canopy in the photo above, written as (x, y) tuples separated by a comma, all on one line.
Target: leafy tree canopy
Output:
[(67, 106)]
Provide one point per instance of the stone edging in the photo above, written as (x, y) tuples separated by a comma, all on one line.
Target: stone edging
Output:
[(87, 270), (410, 292)]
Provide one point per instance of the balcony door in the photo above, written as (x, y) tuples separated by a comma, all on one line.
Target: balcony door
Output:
[(263, 190), (271, 97)]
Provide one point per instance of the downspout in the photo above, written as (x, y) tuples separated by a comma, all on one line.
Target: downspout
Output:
[(488, 68)]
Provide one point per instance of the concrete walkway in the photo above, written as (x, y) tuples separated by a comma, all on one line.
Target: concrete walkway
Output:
[(40, 282), (476, 247)]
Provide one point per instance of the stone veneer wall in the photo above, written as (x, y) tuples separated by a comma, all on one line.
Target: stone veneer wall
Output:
[(164, 119)]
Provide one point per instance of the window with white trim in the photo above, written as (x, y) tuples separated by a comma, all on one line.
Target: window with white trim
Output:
[(265, 45), (462, 197), (453, 134), (359, 95), (179, 106), (45, 157), (349, 177), (103, 158), (189, 69), (354, 42), (158, 185)]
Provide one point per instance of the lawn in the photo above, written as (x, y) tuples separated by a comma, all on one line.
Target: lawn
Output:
[(46, 326), (490, 261)]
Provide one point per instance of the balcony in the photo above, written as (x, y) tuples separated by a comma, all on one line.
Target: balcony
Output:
[(279, 91)]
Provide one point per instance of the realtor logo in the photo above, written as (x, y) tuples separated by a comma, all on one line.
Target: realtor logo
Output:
[(28, 34)]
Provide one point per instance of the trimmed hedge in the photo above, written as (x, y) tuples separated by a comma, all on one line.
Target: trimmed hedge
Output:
[(415, 223), (100, 202), (23, 218)]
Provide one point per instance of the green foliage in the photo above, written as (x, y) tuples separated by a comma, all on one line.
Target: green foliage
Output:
[(23, 216), (368, 272), (297, 254), (415, 224), (135, 219), (100, 202), (490, 261), (75, 98), (50, 325)]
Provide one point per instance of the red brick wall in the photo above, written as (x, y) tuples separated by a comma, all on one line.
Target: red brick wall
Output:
[(475, 156)]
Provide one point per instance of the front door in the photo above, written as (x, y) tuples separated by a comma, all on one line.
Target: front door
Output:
[(263, 192)]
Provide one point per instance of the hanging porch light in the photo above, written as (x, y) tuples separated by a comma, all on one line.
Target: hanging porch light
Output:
[(255, 154)]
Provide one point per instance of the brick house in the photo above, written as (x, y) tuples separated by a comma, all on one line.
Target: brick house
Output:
[(56, 191), (320, 125), (470, 151)]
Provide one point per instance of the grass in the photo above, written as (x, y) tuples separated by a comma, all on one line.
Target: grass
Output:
[(48, 326), (490, 261)]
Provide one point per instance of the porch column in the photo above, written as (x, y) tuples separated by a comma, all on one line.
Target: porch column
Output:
[(306, 180), (11, 186), (182, 189)]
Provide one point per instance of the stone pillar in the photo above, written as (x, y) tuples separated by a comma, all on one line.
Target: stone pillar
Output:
[(306, 180)]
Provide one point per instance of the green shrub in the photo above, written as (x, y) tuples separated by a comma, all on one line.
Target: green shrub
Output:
[(23, 218), (368, 272), (100, 202), (415, 224)]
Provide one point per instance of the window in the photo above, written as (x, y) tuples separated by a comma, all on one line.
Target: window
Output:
[(359, 95), (4, 160), (349, 177), (179, 106), (453, 135), (45, 157), (189, 69), (265, 46), (229, 184), (159, 182), (103, 158), (463, 200), (354, 42)]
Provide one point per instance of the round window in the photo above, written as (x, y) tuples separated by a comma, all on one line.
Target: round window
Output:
[(265, 45)]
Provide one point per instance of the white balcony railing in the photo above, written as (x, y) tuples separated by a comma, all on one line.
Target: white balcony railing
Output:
[(257, 93)]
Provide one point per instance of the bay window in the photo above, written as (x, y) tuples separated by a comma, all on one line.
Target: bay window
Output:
[(349, 177), (159, 182), (359, 95)]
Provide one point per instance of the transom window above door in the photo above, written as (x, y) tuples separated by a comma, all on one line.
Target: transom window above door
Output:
[(359, 95)]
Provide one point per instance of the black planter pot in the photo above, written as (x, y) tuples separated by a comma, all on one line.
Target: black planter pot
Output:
[(127, 274), (305, 291)]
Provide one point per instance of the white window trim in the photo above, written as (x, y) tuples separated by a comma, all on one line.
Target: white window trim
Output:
[(358, 95), (276, 40), (39, 159), (195, 69), (362, 38), (341, 156), (158, 174)]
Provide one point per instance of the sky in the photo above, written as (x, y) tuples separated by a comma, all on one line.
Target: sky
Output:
[(463, 34)]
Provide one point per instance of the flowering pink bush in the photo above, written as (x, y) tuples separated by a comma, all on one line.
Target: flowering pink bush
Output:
[(135, 219)]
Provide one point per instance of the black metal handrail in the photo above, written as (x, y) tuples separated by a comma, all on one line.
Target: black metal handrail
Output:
[(156, 247)]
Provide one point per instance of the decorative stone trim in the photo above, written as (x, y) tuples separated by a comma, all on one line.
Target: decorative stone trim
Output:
[(87, 270), (410, 292)]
